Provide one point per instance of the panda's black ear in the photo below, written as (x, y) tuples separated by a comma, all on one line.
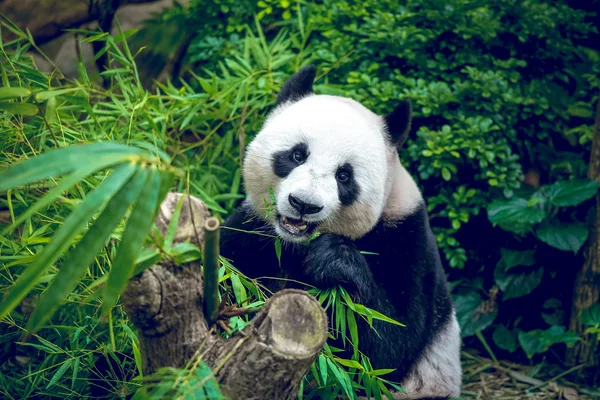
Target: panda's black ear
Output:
[(398, 123), (299, 85)]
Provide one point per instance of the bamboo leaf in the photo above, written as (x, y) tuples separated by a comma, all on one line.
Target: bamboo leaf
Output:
[(61, 371), (61, 161), (65, 184), (82, 256), (50, 94), (139, 224), (172, 228), (19, 108), (12, 92), (73, 224)]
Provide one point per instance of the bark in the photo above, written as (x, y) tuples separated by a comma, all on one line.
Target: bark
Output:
[(587, 284), (267, 360), (51, 17)]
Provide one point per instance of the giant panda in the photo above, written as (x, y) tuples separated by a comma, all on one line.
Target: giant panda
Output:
[(333, 167)]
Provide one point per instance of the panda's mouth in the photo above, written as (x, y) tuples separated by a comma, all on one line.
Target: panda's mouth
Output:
[(296, 227)]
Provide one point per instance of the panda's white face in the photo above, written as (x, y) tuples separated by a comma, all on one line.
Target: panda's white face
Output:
[(327, 161)]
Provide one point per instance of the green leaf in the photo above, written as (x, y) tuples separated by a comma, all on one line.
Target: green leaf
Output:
[(61, 161), (348, 363), (532, 344), (183, 253), (77, 261), (49, 94), (504, 338), (567, 237), (379, 372), (64, 185), (19, 108), (278, 250), (517, 284), (75, 372), (469, 317), (515, 215), (591, 315), (572, 193), (59, 374), (61, 241), (323, 368), (238, 289), (513, 258), (146, 259), (12, 92), (138, 225), (172, 228)]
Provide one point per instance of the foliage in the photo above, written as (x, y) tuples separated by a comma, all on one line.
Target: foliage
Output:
[(500, 91)]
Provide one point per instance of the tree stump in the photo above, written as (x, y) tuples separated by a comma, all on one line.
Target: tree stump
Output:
[(267, 360)]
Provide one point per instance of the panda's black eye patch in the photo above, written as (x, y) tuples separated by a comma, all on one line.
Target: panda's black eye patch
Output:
[(348, 189), (285, 161)]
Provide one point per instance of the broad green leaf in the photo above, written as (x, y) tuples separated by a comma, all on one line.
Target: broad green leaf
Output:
[(572, 193), (61, 241), (138, 225), (591, 315), (59, 374), (77, 261), (532, 344), (567, 237), (504, 338), (12, 92), (515, 215), (513, 258), (516, 284), (67, 159), (19, 108), (469, 317)]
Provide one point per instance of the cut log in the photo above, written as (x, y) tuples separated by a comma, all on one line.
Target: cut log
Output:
[(267, 360), (586, 291)]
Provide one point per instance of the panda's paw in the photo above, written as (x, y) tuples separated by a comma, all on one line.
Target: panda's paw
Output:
[(334, 260)]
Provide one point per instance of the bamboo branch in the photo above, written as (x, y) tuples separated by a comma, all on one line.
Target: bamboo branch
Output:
[(211, 270)]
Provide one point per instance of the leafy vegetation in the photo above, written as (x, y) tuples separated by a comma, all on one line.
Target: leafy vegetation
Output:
[(503, 98)]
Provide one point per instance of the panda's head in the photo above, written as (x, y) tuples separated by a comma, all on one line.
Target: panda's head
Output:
[(330, 164)]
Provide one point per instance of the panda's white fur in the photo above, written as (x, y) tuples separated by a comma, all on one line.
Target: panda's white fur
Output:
[(339, 130)]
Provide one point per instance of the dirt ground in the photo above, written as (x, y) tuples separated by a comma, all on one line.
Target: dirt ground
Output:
[(484, 379)]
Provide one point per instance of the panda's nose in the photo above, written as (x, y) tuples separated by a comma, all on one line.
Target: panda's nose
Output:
[(303, 207)]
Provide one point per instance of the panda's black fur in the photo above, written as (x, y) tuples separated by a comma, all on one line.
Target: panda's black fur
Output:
[(401, 276)]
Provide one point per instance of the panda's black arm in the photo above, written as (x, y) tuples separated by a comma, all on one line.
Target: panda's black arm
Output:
[(248, 243), (334, 260)]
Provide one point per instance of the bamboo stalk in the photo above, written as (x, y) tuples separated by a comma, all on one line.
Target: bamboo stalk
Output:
[(211, 270)]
